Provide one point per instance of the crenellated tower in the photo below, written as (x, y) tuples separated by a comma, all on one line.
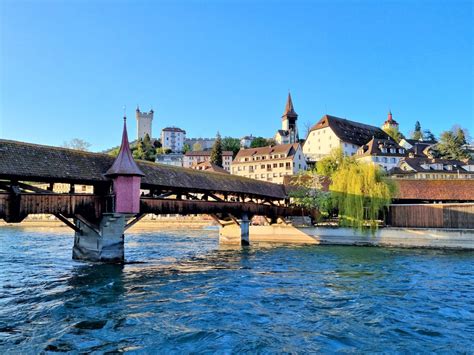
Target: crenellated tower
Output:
[(144, 121)]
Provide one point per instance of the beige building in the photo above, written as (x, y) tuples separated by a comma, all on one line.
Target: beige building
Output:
[(194, 158), (333, 132), (271, 163)]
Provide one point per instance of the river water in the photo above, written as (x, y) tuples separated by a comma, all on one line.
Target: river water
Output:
[(181, 293)]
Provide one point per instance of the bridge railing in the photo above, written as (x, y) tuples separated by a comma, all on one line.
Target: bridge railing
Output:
[(15, 207), (168, 206)]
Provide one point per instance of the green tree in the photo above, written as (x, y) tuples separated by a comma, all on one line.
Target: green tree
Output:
[(149, 149), (394, 133), (197, 147), (428, 136), (139, 152), (216, 152), (307, 191), (77, 144), (231, 144), (331, 163), (360, 192), (417, 134), (186, 148), (259, 142), (162, 150), (114, 152), (460, 135), (450, 145)]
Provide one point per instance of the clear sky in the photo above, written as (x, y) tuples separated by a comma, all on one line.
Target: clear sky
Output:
[(69, 67)]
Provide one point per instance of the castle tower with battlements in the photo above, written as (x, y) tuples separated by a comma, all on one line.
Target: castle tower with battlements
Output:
[(144, 120)]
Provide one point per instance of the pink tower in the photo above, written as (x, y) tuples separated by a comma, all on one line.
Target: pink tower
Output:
[(126, 177)]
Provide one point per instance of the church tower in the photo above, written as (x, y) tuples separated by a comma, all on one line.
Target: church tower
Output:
[(144, 120), (288, 121)]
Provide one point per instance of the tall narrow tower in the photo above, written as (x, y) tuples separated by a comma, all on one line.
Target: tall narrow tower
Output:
[(390, 122), (289, 120), (144, 120)]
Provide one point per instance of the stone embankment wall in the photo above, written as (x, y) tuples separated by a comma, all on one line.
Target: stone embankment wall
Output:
[(391, 237)]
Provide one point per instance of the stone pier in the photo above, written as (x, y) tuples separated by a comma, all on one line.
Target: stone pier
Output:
[(104, 243)]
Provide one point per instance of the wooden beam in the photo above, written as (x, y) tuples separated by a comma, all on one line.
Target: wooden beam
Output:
[(166, 194), (68, 223), (234, 219), (217, 220), (88, 224), (137, 219), (214, 197)]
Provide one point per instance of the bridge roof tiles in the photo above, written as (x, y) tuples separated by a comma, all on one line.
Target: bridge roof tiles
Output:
[(33, 162)]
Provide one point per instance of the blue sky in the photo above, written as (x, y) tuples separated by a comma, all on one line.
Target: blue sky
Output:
[(68, 67)]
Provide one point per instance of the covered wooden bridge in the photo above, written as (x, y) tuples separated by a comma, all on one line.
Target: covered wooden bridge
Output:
[(124, 191)]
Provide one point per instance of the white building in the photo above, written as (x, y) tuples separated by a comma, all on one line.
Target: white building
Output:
[(384, 152), (271, 163), (173, 138), (144, 121), (174, 159), (333, 132), (191, 159), (288, 134), (246, 141)]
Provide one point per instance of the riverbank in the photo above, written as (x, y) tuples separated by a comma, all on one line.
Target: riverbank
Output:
[(144, 224), (384, 237)]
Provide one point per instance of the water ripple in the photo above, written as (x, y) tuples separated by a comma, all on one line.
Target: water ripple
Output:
[(181, 293)]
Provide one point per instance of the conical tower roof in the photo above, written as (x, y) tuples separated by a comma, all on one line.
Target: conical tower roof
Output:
[(289, 109), (124, 163)]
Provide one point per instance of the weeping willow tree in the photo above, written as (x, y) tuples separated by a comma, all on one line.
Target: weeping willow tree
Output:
[(360, 192)]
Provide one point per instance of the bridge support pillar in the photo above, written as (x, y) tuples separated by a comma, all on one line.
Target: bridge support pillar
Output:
[(235, 233), (245, 230), (102, 243)]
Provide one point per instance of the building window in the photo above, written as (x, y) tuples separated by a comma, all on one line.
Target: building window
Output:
[(282, 165)]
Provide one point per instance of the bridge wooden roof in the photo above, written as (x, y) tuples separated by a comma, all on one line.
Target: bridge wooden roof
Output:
[(33, 162)]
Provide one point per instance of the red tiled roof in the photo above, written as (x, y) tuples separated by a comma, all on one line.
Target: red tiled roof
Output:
[(208, 166), (435, 190)]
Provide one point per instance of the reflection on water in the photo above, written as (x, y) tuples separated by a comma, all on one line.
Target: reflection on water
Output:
[(182, 293)]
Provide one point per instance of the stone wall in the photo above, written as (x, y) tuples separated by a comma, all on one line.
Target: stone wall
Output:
[(392, 237)]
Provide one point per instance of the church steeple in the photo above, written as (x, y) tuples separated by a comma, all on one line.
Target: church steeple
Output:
[(288, 123), (289, 109)]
